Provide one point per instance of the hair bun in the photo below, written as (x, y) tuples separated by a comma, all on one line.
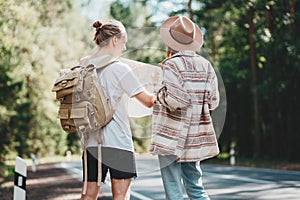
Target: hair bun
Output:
[(97, 24)]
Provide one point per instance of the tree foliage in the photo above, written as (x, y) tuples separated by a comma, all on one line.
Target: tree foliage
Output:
[(38, 38), (276, 73)]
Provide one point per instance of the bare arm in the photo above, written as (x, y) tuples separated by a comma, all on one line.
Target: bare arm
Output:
[(145, 98)]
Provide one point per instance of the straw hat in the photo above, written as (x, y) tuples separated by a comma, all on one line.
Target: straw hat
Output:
[(180, 33)]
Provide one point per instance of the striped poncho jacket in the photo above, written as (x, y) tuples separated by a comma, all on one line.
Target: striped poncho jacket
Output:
[(181, 122)]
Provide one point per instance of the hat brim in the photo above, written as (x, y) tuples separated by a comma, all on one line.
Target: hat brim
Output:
[(170, 42)]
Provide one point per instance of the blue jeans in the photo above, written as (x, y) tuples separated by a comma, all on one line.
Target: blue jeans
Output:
[(174, 173)]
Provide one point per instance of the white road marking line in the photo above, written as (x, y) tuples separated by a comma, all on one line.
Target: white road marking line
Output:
[(237, 178), (139, 196), (244, 168)]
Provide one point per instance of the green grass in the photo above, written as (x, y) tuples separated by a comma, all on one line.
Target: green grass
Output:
[(6, 172)]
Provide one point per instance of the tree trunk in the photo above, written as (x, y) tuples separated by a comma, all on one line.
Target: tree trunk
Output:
[(251, 33), (190, 10), (292, 12)]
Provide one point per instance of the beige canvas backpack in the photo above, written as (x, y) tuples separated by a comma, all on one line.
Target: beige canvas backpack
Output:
[(84, 105)]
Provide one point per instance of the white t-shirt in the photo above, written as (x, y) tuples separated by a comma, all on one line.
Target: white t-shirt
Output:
[(119, 83)]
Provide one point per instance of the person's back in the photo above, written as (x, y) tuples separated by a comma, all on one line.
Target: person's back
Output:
[(116, 150), (182, 129)]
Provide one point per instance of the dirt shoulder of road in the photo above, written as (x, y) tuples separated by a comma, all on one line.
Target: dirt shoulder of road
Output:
[(50, 181)]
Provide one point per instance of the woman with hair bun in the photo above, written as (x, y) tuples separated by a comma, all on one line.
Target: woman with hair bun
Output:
[(120, 84)]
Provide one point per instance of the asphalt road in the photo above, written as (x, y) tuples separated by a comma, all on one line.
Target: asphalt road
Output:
[(221, 182)]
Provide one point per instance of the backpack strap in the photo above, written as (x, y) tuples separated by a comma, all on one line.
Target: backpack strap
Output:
[(107, 60), (86, 166), (103, 63), (99, 160)]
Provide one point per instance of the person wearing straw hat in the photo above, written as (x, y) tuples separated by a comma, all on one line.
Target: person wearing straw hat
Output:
[(119, 83), (182, 129)]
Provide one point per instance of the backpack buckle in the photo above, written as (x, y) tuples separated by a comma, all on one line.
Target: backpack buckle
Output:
[(82, 128), (64, 83)]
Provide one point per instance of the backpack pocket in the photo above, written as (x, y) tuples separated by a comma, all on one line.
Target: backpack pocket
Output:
[(78, 117)]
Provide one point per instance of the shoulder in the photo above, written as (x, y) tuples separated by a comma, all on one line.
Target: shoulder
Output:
[(205, 64), (171, 62), (120, 67), (203, 61)]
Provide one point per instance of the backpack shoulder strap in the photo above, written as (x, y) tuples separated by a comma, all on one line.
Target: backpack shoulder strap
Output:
[(84, 61), (104, 62), (107, 60)]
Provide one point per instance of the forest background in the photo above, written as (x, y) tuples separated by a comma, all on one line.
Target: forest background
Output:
[(254, 45)]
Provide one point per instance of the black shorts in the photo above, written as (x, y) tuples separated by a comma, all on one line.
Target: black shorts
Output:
[(120, 163)]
